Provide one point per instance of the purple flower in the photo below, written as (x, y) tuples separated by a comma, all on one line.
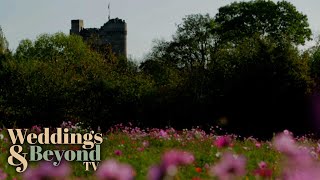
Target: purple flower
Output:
[(229, 167), (114, 170), (47, 170)]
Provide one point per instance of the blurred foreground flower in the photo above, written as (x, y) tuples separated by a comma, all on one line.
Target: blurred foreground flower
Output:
[(46, 170), (229, 167), (309, 173), (169, 164), (285, 143), (295, 156), (299, 164), (113, 170), (3, 175)]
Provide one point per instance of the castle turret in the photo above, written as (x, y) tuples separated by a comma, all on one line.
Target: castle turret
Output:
[(114, 32), (76, 26)]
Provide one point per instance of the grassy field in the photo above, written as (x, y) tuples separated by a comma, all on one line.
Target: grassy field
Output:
[(189, 154)]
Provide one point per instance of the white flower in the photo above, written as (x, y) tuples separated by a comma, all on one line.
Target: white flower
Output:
[(1, 136), (218, 154)]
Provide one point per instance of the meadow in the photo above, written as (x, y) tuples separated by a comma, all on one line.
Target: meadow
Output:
[(129, 152), (242, 69)]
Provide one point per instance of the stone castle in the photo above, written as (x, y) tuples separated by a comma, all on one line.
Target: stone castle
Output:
[(113, 32)]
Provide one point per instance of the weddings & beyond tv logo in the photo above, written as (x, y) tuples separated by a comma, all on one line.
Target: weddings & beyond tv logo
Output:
[(89, 154)]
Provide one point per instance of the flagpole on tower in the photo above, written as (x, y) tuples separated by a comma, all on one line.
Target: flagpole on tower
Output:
[(109, 11)]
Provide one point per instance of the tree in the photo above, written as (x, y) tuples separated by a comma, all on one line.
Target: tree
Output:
[(191, 45), (53, 48), (52, 78), (314, 53), (268, 87), (25, 50), (279, 20), (194, 41), (4, 45)]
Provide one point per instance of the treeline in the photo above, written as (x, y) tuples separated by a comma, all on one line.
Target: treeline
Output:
[(241, 69)]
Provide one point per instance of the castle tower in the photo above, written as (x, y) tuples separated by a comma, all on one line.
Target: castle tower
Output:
[(114, 32), (76, 26)]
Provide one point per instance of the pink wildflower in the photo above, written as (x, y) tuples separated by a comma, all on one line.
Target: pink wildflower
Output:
[(3, 175), (145, 144), (175, 158), (229, 167), (118, 152), (66, 124), (258, 145), (287, 132), (263, 171), (36, 129), (163, 134), (206, 166), (262, 165), (112, 169), (223, 141)]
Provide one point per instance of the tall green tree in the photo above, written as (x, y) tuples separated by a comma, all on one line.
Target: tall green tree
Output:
[(279, 20), (191, 45), (4, 45), (194, 41)]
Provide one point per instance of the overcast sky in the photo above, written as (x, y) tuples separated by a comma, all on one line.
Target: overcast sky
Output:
[(147, 19)]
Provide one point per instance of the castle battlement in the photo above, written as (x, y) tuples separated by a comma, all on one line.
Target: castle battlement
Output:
[(113, 32)]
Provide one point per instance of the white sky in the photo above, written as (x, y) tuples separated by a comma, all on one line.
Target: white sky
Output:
[(147, 19)]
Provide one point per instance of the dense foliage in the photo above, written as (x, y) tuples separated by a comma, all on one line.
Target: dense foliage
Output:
[(240, 69), (279, 20)]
